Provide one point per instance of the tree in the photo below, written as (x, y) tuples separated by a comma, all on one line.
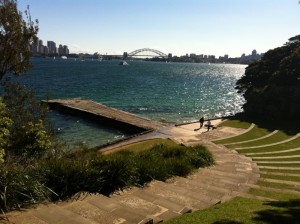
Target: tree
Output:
[(5, 124), (29, 134), (271, 86), (15, 36)]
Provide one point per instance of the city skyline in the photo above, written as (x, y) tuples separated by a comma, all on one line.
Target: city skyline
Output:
[(38, 47), (194, 26)]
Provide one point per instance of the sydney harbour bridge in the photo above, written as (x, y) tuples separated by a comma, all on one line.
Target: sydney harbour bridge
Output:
[(143, 53)]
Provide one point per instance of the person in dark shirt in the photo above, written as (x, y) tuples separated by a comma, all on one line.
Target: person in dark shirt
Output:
[(201, 122)]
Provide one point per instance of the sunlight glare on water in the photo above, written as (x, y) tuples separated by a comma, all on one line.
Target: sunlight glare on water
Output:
[(172, 92)]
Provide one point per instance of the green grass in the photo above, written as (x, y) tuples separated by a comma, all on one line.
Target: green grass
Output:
[(146, 145), (280, 159), (284, 146), (280, 171), (254, 133), (278, 185), (235, 124), (274, 195), (277, 137), (245, 211), (279, 165), (281, 177), (292, 153), (242, 210)]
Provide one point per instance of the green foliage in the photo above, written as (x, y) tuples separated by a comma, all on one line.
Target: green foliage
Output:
[(71, 174), (19, 187), (271, 86), (5, 124), (15, 36), (29, 135)]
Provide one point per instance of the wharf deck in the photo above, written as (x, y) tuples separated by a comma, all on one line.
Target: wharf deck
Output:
[(105, 115)]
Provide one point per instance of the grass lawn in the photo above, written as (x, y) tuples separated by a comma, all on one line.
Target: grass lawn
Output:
[(254, 133), (274, 195), (281, 177), (235, 124), (284, 146), (244, 211), (292, 153), (146, 145), (280, 165), (277, 137), (278, 185), (280, 171), (280, 159)]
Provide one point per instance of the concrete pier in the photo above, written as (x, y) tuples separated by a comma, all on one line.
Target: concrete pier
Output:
[(105, 115)]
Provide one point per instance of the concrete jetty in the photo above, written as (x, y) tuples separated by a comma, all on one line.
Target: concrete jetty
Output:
[(105, 115)]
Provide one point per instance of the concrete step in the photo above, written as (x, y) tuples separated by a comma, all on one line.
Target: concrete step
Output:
[(54, 214), (27, 218), (92, 212)]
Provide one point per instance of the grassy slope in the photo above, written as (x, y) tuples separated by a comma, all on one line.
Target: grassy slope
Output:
[(243, 210), (255, 132)]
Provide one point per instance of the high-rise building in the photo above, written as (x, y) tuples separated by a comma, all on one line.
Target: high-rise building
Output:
[(35, 46), (40, 47), (46, 50), (52, 47), (60, 50), (65, 50)]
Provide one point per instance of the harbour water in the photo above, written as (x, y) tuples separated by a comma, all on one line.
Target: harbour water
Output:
[(171, 92)]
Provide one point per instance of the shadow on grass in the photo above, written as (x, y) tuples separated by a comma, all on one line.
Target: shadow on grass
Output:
[(290, 127), (283, 212)]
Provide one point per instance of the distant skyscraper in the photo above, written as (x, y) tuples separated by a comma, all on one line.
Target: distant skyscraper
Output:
[(40, 47), (60, 50), (52, 47), (65, 50), (254, 52), (35, 46)]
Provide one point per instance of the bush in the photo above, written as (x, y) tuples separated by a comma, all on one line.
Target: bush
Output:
[(67, 175), (29, 134), (5, 124), (19, 187)]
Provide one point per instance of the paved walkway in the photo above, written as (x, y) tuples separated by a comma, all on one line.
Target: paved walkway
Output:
[(232, 175)]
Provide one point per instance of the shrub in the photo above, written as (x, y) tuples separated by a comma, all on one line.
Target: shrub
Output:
[(5, 124), (117, 171), (19, 187), (67, 175), (29, 133)]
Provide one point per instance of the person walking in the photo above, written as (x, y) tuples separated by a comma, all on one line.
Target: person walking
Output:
[(201, 122), (208, 125)]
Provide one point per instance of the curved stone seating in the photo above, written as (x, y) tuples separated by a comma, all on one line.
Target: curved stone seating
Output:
[(252, 140), (277, 143), (269, 153), (232, 136)]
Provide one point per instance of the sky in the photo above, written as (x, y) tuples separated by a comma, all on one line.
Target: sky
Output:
[(212, 27)]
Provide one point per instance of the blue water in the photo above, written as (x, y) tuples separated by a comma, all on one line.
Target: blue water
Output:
[(172, 92)]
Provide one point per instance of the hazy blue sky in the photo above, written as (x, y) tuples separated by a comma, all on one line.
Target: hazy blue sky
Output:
[(172, 26)]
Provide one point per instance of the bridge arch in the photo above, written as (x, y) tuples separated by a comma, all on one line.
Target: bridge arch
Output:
[(159, 53)]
